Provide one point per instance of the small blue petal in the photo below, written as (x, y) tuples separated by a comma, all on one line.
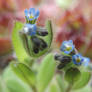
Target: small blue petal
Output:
[(71, 41), (27, 25), (37, 13), (86, 61), (32, 11), (26, 12), (31, 29)]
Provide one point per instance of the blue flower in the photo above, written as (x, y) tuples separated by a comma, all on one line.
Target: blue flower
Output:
[(31, 15), (67, 47), (86, 61), (77, 59), (30, 29)]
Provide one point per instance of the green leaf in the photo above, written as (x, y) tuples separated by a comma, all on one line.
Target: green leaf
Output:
[(3, 87), (17, 44), (84, 89), (46, 72), (49, 38), (61, 82), (84, 79), (72, 75), (24, 72), (0, 85), (13, 83), (54, 87), (16, 86)]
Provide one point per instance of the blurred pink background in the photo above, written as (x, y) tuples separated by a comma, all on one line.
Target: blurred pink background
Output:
[(72, 19)]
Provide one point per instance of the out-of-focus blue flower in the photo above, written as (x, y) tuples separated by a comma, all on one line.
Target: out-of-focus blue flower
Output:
[(67, 47), (30, 29), (77, 59), (31, 15), (86, 61)]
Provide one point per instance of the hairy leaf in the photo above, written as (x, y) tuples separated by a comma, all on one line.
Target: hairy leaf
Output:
[(84, 79), (24, 72), (13, 83), (17, 44), (61, 83), (54, 87), (46, 72), (72, 75)]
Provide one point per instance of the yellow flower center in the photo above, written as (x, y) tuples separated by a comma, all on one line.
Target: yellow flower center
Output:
[(78, 60), (68, 48), (31, 16)]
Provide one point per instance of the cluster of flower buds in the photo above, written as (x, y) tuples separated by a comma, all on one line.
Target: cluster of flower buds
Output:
[(32, 35), (70, 54)]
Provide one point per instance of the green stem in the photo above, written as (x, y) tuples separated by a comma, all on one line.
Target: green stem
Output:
[(29, 62), (69, 88), (34, 88), (32, 60)]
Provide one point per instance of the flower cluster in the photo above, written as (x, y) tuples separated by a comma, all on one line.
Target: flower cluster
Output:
[(32, 35), (67, 47), (31, 17), (70, 55), (74, 25)]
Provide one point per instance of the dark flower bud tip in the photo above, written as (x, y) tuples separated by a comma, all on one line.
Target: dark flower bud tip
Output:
[(62, 58), (36, 50), (43, 44), (42, 31), (36, 41), (60, 66)]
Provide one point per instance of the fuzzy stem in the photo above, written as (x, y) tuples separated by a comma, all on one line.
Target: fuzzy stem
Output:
[(69, 88), (34, 88)]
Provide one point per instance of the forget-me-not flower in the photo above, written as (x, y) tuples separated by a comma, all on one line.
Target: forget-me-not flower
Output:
[(30, 29), (31, 15), (77, 59), (67, 47)]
